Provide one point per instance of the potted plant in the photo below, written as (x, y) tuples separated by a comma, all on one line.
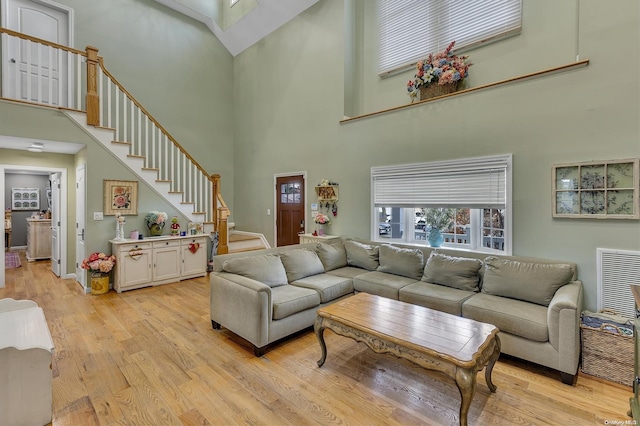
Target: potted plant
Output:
[(438, 219), (438, 75), (100, 264)]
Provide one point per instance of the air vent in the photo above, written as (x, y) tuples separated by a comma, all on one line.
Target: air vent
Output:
[(617, 271)]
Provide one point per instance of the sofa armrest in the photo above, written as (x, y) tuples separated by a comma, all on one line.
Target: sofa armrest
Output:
[(563, 318), (241, 305)]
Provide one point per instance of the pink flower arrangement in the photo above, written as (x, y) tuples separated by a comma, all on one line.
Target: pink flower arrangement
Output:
[(99, 262), (441, 68), (322, 219)]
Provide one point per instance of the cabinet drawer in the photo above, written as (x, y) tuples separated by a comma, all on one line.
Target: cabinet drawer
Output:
[(166, 243), (136, 246), (199, 240)]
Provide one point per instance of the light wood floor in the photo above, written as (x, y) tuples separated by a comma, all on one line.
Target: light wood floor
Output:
[(150, 357)]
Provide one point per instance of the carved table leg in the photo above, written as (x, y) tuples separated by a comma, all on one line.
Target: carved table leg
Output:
[(319, 329), (492, 361), (466, 381)]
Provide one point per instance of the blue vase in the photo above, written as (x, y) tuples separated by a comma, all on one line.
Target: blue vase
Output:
[(435, 237)]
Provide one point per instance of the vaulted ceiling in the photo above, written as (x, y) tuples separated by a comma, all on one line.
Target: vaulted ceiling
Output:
[(264, 17)]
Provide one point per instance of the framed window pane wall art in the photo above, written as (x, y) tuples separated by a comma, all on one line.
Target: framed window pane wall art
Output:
[(600, 190)]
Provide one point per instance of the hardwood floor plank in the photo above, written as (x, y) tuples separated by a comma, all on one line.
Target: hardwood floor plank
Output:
[(151, 357)]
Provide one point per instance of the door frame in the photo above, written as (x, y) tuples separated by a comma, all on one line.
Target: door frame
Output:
[(8, 168), (275, 201), (4, 7)]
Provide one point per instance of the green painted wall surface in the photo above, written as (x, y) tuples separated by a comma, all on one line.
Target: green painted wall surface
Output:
[(174, 66), (287, 120)]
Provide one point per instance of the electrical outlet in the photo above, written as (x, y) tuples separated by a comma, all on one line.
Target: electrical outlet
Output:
[(268, 212), (98, 216)]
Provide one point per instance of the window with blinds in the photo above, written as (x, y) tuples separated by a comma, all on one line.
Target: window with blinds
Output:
[(477, 188), (411, 29)]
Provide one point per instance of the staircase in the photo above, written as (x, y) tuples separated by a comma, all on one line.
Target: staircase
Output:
[(109, 114)]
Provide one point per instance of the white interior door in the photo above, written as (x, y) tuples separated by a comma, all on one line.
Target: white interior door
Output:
[(36, 73), (80, 224), (54, 178)]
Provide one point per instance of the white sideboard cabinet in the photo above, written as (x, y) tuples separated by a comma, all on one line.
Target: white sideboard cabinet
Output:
[(158, 260), (38, 239)]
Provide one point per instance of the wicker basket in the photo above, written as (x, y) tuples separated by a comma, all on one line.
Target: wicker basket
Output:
[(607, 354), (435, 90)]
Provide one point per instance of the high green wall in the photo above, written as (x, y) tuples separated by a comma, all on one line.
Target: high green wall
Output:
[(174, 66), (289, 97)]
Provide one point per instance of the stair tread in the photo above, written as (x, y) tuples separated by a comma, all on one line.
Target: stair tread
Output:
[(242, 237), (240, 250), (122, 142)]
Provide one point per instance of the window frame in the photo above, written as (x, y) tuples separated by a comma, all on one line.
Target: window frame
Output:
[(402, 16), (407, 215)]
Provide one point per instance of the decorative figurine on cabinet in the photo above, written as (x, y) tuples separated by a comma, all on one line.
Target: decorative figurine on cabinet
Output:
[(175, 226)]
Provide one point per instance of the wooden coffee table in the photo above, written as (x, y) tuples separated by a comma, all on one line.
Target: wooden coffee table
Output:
[(458, 347)]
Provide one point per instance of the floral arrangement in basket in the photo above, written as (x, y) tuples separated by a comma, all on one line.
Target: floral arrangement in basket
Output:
[(322, 219), (155, 222), (99, 263), (441, 68)]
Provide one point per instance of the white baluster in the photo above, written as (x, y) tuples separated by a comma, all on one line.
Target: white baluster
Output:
[(109, 113)]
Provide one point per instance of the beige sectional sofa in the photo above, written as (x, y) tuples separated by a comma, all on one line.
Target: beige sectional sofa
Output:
[(266, 295)]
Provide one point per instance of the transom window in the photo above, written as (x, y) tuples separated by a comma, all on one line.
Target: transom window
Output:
[(477, 190), (411, 29)]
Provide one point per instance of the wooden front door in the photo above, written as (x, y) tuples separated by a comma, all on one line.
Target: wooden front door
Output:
[(289, 209)]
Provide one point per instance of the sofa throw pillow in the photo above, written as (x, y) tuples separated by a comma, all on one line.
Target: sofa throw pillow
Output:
[(401, 261), (266, 268), (531, 282), (362, 255), (300, 263), (457, 272), (332, 256)]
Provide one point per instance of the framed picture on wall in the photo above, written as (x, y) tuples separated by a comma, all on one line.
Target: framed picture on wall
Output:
[(25, 199), (120, 197)]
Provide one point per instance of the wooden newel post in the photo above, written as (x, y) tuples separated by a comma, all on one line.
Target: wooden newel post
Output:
[(93, 100), (219, 217)]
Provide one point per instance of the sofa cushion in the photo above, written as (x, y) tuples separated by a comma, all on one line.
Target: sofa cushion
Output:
[(362, 255), (300, 263), (401, 261), (347, 272), (381, 283), (290, 299), (523, 319), (329, 287), (266, 268), (435, 296), (531, 282), (456, 272), (332, 256)]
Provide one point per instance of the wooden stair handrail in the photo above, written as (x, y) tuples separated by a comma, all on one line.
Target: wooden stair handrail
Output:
[(151, 118), (41, 41)]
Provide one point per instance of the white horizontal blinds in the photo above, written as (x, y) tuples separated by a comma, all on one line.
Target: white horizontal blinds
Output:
[(467, 183), (403, 27), (411, 29), (473, 22)]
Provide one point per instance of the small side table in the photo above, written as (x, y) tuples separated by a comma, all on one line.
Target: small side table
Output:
[(310, 238)]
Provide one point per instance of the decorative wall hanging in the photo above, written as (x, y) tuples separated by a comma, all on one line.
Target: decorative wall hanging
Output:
[(25, 199), (328, 195), (120, 196), (601, 190)]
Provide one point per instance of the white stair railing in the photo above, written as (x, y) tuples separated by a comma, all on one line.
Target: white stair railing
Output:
[(134, 125), (45, 73)]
